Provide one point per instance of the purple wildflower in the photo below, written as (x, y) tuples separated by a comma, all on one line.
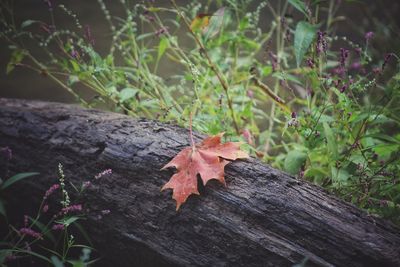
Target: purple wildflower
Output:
[(310, 63), (73, 208), (51, 190), (321, 42), (274, 61), (29, 232), (343, 88), (250, 93), (386, 60), (356, 65), (294, 115), (103, 173), (339, 71), (69, 209), (376, 70), (161, 31), (344, 54), (355, 145), (293, 123), (149, 17), (45, 208), (368, 36), (74, 53), (58, 227), (337, 83)]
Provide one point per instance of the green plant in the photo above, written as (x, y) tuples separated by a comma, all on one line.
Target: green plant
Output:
[(48, 239), (306, 100)]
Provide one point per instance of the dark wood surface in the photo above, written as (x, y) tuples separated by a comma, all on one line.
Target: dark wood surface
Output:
[(263, 217)]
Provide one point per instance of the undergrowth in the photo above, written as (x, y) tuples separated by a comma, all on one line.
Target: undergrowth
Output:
[(321, 106)]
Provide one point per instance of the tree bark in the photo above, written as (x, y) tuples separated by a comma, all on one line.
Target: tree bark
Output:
[(264, 217)]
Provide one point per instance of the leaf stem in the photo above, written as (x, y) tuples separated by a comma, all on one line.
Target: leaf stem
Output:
[(190, 131)]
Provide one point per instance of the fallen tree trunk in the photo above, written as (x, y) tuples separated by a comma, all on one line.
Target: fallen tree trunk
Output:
[(263, 218)]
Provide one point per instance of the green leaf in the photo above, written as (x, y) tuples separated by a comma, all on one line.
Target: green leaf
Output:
[(153, 9), (385, 150), (56, 261), (316, 173), (27, 23), (331, 140), (76, 263), (286, 77), (127, 93), (340, 175), (299, 5), (267, 70), (144, 36), (294, 161), (17, 178), (250, 44), (16, 57), (68, 221), (75, 65), (72, 79), (215, 24), (384, 137), (163, 45), (303, 37), (85, 254)]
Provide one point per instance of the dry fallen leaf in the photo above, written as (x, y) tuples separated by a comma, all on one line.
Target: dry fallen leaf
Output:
[(207, 159)]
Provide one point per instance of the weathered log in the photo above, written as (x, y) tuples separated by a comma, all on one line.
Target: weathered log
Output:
[(264, 217)]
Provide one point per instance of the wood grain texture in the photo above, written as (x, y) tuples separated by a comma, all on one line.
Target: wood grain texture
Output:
[(264, 217)]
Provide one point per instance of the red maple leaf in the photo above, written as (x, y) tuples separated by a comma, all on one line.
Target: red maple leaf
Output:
[(207, 159)]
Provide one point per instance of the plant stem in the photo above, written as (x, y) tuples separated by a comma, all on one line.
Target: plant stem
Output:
[(213, 67), (190, 131)]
